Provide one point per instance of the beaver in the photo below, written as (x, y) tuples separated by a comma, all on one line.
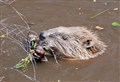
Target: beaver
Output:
[(73, 43)]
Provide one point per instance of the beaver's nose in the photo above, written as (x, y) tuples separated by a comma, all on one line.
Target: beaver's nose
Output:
[(41, 36)]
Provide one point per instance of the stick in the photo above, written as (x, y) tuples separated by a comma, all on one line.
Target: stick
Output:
[(30, 78), (98, 14), (24, 20), (18, 13), (20, 31), (21, 16)]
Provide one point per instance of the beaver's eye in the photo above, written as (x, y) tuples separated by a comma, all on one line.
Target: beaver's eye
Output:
[(41, 36), (87, 43), (65, 37)]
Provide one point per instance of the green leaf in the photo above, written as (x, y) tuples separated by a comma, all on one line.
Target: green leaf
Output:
[(19, 65), (115, 24), (23, 64)]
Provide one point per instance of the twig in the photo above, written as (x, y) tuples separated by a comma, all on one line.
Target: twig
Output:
[(30, 78), (13, 39), (98, 14), (11, 2), (8, 1), (1, 78), (28, 29), (20, 31), (21, 16), (7, 33), (18, 42), (3, 20)]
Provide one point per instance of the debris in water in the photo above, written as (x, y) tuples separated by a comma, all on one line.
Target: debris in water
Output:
[(4, 51), (2, 36), (94, 0), (1, 78), (115, 24), (99, 14), (76, 68), (115, 9), (99, 28), (31, 23), (106, 3), (59, 81), (79, 8)]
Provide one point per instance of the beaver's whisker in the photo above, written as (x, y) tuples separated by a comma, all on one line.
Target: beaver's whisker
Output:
[(55, 57)]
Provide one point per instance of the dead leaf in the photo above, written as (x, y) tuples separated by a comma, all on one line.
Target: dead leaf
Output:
[(115, 9), (99, 28), (94, 0), (2, 36)]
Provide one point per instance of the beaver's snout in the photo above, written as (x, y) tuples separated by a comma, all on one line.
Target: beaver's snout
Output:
[(41, 36), (42, 39)]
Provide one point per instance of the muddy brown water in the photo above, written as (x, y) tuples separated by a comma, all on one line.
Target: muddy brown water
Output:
[(46, 14)]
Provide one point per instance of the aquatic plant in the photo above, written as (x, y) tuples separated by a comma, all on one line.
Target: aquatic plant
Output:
[(115, 24), (23, 64)]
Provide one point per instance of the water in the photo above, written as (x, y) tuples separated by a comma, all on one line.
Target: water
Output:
[(44, 15)]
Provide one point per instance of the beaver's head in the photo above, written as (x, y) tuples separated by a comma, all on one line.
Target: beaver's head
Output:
[(72, 42)]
